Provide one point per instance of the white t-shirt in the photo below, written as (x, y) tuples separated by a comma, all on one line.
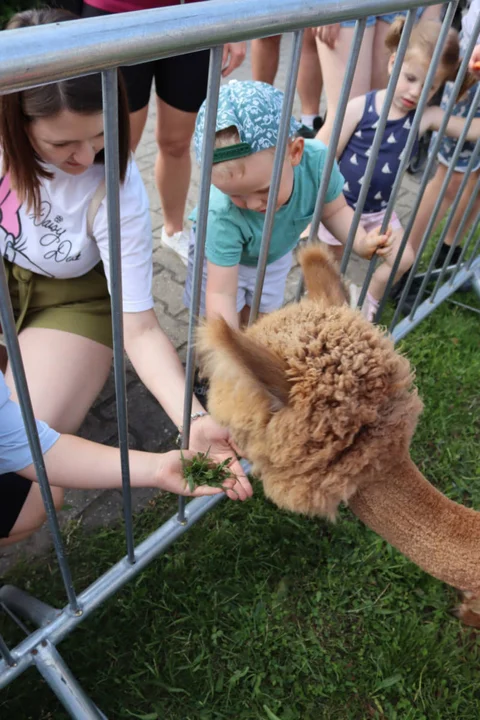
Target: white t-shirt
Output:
[(56, 243)]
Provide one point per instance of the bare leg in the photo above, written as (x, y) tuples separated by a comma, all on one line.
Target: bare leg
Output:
[(309, 82), (334, 63), (381, 55), (65, 373), (265, 54), (430, 197), (138, 120), (462, 207), (173, 165)]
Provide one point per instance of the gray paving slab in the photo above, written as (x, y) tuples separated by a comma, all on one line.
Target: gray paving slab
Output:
[(150, 428)]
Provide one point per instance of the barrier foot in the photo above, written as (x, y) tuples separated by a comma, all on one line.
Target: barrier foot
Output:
[(56, 673)]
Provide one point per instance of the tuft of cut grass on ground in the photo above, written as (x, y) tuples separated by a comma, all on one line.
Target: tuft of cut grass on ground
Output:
[(258, 614)]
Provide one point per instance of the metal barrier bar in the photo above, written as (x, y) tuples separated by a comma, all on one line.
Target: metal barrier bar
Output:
[(213, 86), (476, 248), (107, 584), (412, 136), (112, 177), (466, 246), (65, 50), (429, 166), (426, 308), (21, 603), (377, 141), (337, 127), (458, 234), (5, 653), (453, 209), (58, 675), (15, 359), (276, 173)]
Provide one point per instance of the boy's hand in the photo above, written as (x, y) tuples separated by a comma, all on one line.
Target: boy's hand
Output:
[(171, 479), (474, 64), (373, 243)]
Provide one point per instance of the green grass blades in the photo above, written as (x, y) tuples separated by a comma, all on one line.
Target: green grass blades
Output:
[(202, 470), (258, 614)]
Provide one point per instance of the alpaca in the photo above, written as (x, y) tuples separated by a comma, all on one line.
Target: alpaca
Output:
[(325, 409)]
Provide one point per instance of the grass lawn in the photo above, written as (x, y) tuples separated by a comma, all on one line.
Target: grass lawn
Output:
[(260, 614)]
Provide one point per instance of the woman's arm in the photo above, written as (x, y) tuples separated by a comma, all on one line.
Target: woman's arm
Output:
[(80, 464), (158, 366)]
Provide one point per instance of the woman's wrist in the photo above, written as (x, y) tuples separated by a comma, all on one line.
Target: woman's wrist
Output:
[(194, 416)]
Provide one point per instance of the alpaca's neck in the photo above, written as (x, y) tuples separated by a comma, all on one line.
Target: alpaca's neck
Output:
[(440, 536)]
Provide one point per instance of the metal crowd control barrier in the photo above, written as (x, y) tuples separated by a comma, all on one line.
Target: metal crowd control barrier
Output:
[(101, 45)]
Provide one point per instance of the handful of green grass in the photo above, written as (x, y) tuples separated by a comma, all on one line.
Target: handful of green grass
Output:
[(202, 470)]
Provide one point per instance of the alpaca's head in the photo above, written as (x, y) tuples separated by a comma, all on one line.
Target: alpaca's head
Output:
[(315, 396)]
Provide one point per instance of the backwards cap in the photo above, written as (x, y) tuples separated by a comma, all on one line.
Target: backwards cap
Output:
[(255, 109)]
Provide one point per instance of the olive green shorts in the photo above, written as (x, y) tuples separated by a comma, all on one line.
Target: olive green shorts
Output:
[(77, 305)]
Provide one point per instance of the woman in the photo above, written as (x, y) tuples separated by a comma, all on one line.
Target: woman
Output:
[(51, 150)]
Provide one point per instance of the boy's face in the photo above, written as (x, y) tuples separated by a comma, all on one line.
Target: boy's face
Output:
[(247, 181)]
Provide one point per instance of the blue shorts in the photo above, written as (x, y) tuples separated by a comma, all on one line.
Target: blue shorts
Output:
[(388, 18), (448, 144)]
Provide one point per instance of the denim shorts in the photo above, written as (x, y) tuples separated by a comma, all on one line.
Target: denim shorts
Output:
[(448, 144), (273, 286), (388, 18)]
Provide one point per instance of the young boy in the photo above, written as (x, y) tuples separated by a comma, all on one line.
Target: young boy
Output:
[(247, 127)]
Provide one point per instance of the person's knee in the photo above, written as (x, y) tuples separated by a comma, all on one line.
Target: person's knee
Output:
[(176, 146)]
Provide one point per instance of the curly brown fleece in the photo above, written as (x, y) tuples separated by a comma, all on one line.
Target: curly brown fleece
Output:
[(325, 409)]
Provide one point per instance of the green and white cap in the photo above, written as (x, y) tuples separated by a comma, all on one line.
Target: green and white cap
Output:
[(255, 109)]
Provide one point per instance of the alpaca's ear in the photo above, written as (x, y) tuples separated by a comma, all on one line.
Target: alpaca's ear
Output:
[(322, 278), (236, 354)]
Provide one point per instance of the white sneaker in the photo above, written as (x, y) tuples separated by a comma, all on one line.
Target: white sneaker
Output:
[(178, 242)]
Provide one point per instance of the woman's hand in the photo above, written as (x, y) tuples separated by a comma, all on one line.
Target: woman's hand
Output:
[(328, 34), (207, 436), (169, 476)]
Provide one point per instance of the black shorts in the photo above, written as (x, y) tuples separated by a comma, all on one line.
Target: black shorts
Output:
[(179, 81), (13, 493)]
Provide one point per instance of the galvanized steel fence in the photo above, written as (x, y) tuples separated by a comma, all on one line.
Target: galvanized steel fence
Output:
[(52, 53)]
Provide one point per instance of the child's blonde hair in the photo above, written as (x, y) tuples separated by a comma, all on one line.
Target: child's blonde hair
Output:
[(424, 38)]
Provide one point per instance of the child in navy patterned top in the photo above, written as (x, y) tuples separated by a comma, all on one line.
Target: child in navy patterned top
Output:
[(360, 123)]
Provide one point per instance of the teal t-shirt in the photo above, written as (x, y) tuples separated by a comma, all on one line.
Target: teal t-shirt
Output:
[(234, 235)]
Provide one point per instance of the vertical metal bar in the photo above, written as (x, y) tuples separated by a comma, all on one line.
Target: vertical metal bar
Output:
[(112, 176), (458, 235), (429, 166), (377, 140), (476, 249), (5, 653), (15, 359), (213, 86), (466, 246), (412, 136), (337, 127), (58, 675), (277, 172), (439, 201)]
